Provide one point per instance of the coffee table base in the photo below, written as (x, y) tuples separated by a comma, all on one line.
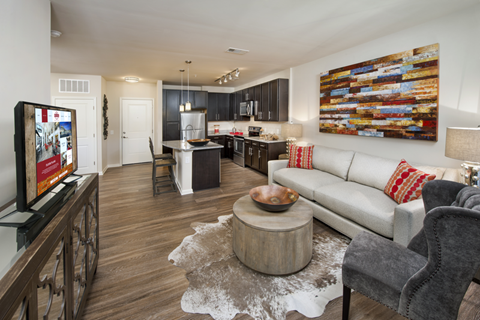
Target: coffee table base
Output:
[(272, 252)]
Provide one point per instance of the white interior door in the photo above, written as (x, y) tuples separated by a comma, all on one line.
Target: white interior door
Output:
[(86, 131), (137, 127)]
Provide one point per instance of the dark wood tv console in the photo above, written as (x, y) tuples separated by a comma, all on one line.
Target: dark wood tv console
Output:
[(52, 278)]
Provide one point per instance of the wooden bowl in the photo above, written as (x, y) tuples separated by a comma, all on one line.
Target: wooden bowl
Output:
[(273, 198), (198, 142)]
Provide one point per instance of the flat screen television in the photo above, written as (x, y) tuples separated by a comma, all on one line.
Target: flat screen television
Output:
[(45, 150)]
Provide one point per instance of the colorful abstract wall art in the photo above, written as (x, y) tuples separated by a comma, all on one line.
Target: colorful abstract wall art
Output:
[(390, 97)]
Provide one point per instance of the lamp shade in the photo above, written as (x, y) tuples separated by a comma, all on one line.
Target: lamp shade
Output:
[(463, 144), (291, 130)]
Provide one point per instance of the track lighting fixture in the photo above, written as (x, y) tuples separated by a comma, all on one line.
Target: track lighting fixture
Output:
[(233, 75)]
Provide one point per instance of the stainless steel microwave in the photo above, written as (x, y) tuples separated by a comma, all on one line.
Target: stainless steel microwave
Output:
[(247, 108)]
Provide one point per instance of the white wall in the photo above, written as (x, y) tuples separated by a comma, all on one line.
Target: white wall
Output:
[(104, 157), (158, 127), (459, 97), (96, 91), (115, 91), (25, 70)]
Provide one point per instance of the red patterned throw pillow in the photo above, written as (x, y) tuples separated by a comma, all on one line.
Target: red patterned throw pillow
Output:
[(300, 157), (406, 183)]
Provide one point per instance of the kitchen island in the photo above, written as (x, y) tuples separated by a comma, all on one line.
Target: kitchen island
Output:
[(197, 168)]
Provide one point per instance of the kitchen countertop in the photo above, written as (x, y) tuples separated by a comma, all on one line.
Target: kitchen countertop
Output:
[(246, 137), (185, 146)]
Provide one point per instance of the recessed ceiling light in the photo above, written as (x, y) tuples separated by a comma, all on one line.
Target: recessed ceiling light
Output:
[(55, 33), (131, 79)]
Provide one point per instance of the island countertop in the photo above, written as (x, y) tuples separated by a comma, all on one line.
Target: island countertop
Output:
[(181, 145)]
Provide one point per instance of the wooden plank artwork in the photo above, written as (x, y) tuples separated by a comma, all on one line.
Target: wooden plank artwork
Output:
[(395, 96)]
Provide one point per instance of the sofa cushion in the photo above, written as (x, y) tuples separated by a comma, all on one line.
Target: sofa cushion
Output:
[(406, 183), (304, 181), (367, 206), (331, 160), (437, 171), (300, 157), (371, 171)]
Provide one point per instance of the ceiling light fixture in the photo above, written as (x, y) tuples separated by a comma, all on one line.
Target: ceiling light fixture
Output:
[(188, 105), (233, 75), (132, 79), (55, 33), (182, 106)]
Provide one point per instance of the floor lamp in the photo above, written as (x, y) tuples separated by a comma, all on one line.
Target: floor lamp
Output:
[(464, 144), (291, 132)]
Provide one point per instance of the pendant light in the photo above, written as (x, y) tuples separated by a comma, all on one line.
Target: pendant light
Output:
[(188, 105), (182, 107)]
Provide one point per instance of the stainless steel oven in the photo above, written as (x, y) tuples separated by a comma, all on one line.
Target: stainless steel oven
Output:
[(239, 151)]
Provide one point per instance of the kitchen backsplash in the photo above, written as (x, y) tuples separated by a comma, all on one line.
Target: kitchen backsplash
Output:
[(226, 126)]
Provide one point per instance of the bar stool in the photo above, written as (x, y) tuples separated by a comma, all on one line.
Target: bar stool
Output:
[(158, 161), (158, 156)]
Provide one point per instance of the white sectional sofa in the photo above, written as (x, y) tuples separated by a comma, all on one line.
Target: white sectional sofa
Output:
[(345, 191)]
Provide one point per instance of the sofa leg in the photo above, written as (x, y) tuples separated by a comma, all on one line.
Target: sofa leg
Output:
[(346, 302)]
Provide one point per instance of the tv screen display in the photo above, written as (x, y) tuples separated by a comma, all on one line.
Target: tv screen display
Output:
[(53, 138), (46, 149)]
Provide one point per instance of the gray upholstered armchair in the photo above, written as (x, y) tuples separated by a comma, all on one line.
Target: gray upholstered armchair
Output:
[(427, 279)]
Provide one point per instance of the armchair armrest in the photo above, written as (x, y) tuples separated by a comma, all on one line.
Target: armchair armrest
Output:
[(408, 221), (274, 165)]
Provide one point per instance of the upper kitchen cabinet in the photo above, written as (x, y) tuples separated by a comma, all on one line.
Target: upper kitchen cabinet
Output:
[(201, 99), (250, 94), (274, 101), (218, 107), (233, 114), (171, 109), (171, 115)]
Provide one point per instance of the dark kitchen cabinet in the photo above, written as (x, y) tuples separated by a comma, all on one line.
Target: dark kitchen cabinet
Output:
[(171, 116), (250, 94), (255, 152), (233, 114), (259, 153), (235, 99), (258, 99), (278, 103), (201, 100), (218, 107), (220, 139), (262, 113), (273, 104), (248, 152), (171, 110), (263, 158), (229, 147)]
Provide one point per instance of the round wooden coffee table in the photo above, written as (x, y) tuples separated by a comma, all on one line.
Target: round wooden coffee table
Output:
[(272, 243)]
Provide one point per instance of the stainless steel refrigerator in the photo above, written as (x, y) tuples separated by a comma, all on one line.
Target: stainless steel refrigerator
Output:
[(192, 125)]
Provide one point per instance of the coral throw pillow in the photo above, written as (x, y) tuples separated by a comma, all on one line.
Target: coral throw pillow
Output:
[(300, 157), (406, 183)]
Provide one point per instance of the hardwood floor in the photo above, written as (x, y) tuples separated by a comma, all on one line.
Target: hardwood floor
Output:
[(134, 279)]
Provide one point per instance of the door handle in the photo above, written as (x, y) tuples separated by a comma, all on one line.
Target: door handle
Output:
[(125, 137), (259, 154), (268, 115)]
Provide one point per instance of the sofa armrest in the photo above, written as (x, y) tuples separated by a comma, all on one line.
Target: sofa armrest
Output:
[(274, 165), (453, 175), (408, 221)]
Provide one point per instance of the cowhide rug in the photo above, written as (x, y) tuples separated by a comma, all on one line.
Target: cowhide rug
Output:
[(220, 285)]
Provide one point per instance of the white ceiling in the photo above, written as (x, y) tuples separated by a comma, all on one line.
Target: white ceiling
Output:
[(151, 39)]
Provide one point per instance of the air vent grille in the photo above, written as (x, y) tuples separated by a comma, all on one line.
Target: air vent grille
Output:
[(237, 51), (74, 86)]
